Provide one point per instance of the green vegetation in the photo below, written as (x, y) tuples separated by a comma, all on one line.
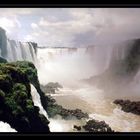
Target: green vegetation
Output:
[(16, 106)]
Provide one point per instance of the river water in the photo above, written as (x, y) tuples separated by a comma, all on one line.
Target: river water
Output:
[(57, 65), (99, 107)]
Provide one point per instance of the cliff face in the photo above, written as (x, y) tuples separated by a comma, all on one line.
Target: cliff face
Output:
[(16, 104)]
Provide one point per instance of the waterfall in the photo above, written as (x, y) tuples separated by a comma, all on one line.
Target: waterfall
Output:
[(3, 43), (13, 50), (104, 56), (37, 101), (78, 63), (70, 65), (58, 65)]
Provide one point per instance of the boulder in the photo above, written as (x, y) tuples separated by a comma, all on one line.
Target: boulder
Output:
[(129, 106), (97, 126), (77, 127)]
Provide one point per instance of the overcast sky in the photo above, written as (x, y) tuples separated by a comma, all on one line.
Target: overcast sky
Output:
[(70, 26)]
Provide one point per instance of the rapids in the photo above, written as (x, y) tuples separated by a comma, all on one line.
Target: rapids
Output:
[(69, 66), (58, 65)]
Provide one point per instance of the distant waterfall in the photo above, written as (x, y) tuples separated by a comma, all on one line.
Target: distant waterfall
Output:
[(104, 56), (13, 50), (3, 43), (20, 51)]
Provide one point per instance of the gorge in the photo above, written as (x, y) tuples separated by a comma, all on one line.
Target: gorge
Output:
[(92, 77)]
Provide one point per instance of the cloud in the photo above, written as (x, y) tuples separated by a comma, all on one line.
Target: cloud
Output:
[(71, 26), (11, 25), (16, 11), (34, 26), (62, 32)]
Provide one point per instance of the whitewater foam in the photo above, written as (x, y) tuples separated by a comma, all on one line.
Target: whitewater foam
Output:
[(5, 127), (119, 120)]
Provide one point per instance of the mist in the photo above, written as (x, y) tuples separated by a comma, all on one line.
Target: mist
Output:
[(67, 27), (60, 65), (95, 59)]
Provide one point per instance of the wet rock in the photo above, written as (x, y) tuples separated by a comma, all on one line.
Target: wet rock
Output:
[(54, 109), (67, 113), (77, 127), (129, 106), (97, 126), (16, 104)]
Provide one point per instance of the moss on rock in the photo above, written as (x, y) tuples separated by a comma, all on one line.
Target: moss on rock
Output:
[(16, 106)]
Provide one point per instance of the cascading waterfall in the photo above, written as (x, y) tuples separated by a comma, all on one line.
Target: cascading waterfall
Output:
[(13, 50), (69, 66), (104, 56), (20, 51), (37, 102), (66, 64), (57, 65), (80, 63)]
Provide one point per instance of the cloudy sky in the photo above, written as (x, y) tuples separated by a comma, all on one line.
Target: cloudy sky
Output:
[(70, 26)]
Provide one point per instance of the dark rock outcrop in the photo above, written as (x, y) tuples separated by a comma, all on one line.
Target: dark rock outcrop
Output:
[(129, 106), (67, 113), (97, 126), (16, 104), (54, 109), (77, 127)]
